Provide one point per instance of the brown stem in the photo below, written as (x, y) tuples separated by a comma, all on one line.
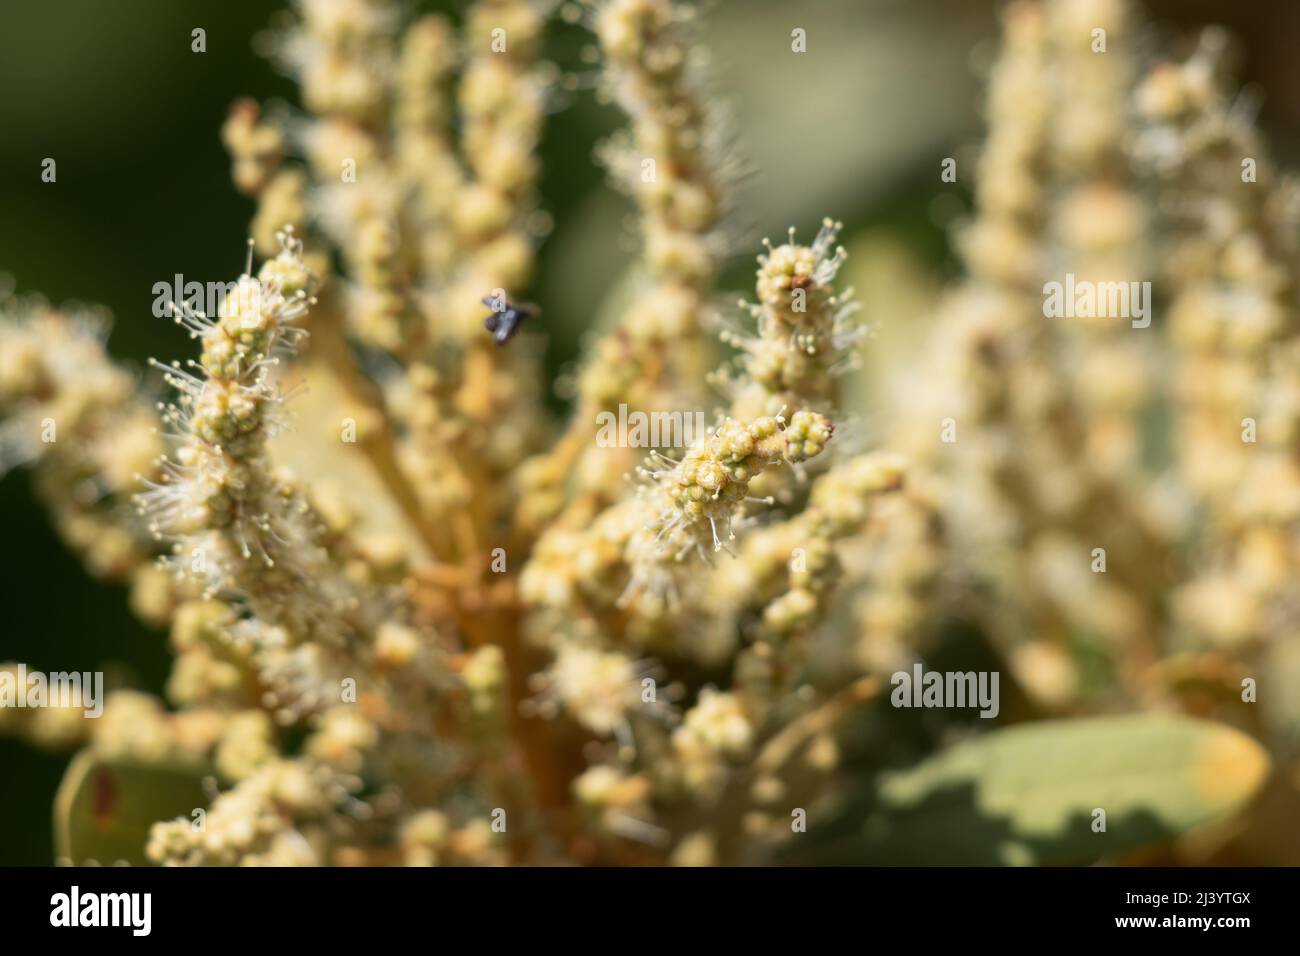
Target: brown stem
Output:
[(551, 757), (376, 440)]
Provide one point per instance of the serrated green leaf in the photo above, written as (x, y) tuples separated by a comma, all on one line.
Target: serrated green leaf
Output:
[(103, 810)]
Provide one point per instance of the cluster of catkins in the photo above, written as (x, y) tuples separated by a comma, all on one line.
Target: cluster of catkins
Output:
[(1122, 490), (510, 643)]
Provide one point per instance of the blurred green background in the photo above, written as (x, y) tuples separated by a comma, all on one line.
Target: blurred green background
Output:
[(855, 128)]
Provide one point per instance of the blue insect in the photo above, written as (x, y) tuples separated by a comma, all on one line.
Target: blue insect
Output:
[(506, 317)]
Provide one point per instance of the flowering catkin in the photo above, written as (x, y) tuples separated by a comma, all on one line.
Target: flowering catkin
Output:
[(1230, 258), (69, 411)]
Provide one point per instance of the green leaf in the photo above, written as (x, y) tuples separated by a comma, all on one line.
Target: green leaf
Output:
[(103, 810), (1028, 795)]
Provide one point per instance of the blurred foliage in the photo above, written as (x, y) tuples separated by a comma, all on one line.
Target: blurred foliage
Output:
[(1028, 795), (104, 810)]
